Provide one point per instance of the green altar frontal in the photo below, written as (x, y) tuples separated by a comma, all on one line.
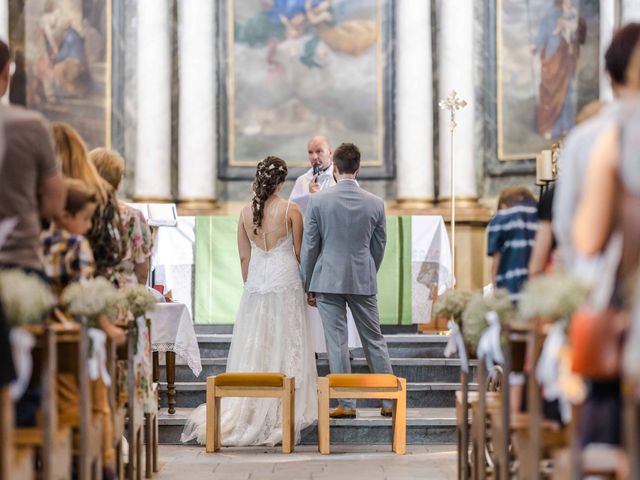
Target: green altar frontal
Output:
[(218, 279)]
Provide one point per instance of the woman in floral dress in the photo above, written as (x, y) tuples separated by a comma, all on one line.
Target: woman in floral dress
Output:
[(134, 266)]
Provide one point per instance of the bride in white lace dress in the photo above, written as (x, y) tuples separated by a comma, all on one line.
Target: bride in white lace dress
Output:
[(271, 333)]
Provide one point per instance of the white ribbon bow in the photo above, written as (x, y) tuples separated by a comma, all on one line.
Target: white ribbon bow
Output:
[(456, 345), (489, 345), (22, 342), (98, 356), (548, 369)]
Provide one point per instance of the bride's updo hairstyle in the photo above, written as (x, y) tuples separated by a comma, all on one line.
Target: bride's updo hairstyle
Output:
[(270, 173)]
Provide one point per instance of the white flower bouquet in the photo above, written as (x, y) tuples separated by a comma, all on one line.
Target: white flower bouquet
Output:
[(552, 297), (138, 299), (25, 298), (451, 304), (92, 299), (474, 317)]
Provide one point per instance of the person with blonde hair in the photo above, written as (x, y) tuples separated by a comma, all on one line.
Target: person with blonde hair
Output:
[(134, 266), (106, 236)]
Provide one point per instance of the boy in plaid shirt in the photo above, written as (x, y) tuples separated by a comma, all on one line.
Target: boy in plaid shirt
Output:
[(67, 256)]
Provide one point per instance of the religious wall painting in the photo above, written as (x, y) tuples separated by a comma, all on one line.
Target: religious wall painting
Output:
[(547, 70), (298, 68), (65, 45)]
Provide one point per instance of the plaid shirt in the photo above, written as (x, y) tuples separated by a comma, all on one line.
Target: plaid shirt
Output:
[(67, 258)]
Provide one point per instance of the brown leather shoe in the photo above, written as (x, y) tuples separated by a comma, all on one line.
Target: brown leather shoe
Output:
[(386, 412), (342, 412)]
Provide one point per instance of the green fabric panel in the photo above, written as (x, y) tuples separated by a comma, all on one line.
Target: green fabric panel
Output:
[(218, 279), (394, 276), (218, 276)]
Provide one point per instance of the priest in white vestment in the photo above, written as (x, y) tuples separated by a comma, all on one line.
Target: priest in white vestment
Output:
[(319, 177)]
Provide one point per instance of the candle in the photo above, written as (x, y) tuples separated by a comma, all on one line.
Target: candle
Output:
[(546, 166)]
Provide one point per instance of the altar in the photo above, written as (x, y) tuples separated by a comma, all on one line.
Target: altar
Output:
[(198, 262)]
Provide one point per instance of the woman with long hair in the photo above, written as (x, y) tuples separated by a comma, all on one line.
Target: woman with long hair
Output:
[(271, 333), (106, 237)]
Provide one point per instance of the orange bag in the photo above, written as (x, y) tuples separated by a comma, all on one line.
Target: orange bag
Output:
[(596, 340)]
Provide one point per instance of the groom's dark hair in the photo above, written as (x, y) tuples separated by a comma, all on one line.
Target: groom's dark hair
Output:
[(347, 158)]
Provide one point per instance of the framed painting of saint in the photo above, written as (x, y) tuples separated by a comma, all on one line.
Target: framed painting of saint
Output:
[(299, 68), (547, 70), (63, 62)]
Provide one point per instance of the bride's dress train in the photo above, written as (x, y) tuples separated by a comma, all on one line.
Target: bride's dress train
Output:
[(271, 334)]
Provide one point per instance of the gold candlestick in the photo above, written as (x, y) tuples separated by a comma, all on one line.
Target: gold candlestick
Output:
[(453, 103)]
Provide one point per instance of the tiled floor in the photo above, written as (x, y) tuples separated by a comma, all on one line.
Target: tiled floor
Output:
[(352, 462)]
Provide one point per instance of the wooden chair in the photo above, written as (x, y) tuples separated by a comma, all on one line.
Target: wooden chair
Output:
[(15, 463), (261, 385), (51, 439), (382, 386)]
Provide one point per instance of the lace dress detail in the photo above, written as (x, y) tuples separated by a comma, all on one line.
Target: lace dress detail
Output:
[(271, 334)]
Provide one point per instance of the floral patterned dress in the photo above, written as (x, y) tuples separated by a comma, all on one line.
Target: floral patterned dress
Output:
[(139, 245)]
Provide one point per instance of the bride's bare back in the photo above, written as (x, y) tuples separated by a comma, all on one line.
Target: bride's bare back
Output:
[(280, 219)]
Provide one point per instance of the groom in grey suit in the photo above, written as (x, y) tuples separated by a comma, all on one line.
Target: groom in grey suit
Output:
[(342, 249)]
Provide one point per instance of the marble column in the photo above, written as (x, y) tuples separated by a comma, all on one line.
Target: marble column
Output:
[(414, 105), (608, 15), (153, 137), (456, 72), (197, 148)]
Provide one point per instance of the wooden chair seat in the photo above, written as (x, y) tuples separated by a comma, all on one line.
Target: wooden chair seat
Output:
[(363, 386), (260, 385), (250, 380), (362, 380)]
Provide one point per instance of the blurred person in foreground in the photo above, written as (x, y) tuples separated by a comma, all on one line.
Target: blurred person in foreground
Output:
[(608, 218), (31, 186)]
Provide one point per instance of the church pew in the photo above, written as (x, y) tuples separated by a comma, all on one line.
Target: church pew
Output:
[(73, 351), (135, 407), (117, 401), (535, 439), (48, 437), (15, 463), (151, 423)]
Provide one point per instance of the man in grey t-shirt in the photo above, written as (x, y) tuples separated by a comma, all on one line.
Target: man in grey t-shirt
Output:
[(31, 185)]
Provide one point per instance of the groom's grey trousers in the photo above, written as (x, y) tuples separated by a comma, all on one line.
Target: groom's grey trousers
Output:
[(332, 307)]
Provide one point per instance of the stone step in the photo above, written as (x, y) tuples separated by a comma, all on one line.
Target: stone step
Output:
[(419, 395), (228, 328), (415, 370), (424, 426), (216, 345)]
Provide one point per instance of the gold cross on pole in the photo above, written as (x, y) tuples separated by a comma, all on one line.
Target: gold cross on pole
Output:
[(453, 103)]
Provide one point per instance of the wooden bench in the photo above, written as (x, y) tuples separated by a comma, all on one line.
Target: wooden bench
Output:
[(135, 408), (15, 463), (151, 423), (381, 386), (73, 355), (117, 401), (48, 437), (261, 385)]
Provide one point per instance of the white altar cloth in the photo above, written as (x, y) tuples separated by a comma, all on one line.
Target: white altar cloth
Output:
[(172, 331)]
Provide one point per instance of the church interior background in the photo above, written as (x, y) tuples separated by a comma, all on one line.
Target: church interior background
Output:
[(195, 93)]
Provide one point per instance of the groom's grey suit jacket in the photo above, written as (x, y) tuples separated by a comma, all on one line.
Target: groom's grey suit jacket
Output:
[(344, 239)]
